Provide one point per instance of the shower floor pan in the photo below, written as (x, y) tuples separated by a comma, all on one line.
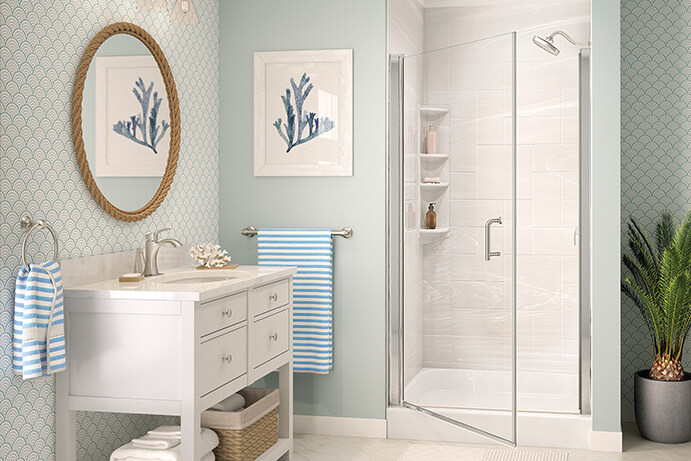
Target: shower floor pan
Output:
[(491, 390), (548, 415)]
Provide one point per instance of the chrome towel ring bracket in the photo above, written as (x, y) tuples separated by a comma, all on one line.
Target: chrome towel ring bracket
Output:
[(28, 226)]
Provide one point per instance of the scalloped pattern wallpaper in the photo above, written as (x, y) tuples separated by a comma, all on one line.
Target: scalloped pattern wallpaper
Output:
[(655, 138), (41, 43)]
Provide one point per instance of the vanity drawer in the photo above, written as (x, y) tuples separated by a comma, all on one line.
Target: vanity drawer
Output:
[(270, 296), (222, 359), (222, 313), (270, 337)]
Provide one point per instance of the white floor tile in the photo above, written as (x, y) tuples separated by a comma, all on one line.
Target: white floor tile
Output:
[(329, 448)]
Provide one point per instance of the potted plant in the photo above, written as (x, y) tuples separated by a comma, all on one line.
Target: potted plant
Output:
[(659, 284)]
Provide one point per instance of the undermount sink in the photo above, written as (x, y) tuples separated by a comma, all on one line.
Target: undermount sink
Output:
[(197, 277)]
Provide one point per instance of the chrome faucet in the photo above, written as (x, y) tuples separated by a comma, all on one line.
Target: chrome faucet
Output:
[(152, 245)]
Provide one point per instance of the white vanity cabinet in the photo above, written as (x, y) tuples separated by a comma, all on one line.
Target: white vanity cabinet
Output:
[(170, 347)]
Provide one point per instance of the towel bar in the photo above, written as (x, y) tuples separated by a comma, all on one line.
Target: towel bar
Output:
[(346, 232), (28, 226)]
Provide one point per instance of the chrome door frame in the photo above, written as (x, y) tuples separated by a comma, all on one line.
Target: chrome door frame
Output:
[(584, 92), (394, 225)]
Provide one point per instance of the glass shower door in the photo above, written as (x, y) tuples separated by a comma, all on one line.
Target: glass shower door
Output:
[(457, 225)]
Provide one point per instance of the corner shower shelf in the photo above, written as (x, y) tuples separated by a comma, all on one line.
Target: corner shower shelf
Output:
[(434, 110), (434, 156), (434, 186), (432, 235)]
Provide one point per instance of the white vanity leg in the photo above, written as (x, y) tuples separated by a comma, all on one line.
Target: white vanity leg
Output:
[(65, 420), (190, 413), (190, 442), (285, 385), (285, 409)]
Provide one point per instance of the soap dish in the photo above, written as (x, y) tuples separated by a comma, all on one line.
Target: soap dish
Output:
[(131, 278)]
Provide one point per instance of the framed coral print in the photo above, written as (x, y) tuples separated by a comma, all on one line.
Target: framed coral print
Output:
[(303, 113), (132, 133)]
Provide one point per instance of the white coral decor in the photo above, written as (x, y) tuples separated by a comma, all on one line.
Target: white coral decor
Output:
[(210, 255)]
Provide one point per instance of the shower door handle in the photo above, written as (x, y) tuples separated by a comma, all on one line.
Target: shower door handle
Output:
[(488, 231)]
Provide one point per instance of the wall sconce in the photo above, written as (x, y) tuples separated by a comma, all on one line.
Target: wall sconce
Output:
[(184, 13), (152, 5)]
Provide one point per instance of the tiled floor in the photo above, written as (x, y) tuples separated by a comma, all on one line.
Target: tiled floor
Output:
[(328, 448)]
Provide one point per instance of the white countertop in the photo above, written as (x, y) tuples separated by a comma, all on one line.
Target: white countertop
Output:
[(161, 287)]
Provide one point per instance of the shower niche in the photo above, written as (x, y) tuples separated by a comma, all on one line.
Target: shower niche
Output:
[(433, 181)]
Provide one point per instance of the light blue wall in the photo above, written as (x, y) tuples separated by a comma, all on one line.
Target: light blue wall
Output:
[(41, 43), (356, 386), (605, 213)]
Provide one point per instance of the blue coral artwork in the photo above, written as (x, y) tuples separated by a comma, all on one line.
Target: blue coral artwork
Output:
[(303, 113), (297, 119), (131, 123), (143, 128)]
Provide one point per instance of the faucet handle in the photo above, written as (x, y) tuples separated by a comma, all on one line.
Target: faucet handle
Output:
[(139, 261), (153, 236)]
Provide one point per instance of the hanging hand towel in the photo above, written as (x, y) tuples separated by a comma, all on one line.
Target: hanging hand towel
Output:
[(39, 321), (311, 250)]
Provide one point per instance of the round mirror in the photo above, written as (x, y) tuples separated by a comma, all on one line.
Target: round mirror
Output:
[(126, 121)]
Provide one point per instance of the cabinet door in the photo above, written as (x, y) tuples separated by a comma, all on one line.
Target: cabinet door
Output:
[(270, 338), (268, 297), (127, 349), (222, 313), (222, 359)]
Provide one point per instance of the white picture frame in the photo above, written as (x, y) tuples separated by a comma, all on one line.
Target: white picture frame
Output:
[(115, 154), (320, 142)]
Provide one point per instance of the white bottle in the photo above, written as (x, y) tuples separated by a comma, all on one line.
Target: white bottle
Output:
[(431, 141)]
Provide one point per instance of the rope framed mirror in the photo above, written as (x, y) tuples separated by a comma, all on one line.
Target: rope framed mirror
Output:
[(126, 149)]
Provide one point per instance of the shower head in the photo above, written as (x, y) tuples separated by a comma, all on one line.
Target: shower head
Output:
[(546, 44)]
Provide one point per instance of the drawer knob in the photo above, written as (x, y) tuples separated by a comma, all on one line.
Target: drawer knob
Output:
[(274, 337), (227, 358), (274, 297), (227, 312)]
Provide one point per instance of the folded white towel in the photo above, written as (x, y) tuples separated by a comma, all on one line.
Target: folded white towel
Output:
[(233, 403), (209, 441), (159, 443), (166, 431), (208, 457)]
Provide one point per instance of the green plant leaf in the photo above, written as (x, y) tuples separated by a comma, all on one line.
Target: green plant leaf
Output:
[(660, 281)]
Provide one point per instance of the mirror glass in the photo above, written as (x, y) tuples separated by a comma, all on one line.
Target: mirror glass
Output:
[(125, 122)]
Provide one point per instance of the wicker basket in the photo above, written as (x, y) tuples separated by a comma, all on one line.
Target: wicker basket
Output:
[(244, 435)]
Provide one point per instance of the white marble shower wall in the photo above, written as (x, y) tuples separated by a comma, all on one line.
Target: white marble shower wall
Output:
[(406, 36), (467, 309), (467, 301)]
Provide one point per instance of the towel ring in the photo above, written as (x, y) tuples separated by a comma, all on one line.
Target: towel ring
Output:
[(28, 226)]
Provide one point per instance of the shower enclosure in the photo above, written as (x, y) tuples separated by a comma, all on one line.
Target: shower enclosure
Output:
[(488, 334)]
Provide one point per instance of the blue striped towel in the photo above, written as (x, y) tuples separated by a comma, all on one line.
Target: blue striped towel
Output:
[(311, 250), (39, 322)]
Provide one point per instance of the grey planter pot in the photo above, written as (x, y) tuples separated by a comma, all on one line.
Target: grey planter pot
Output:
[(663, 408)]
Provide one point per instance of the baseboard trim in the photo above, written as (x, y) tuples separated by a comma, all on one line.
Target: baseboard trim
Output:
[(612, 442), (345, 427)]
